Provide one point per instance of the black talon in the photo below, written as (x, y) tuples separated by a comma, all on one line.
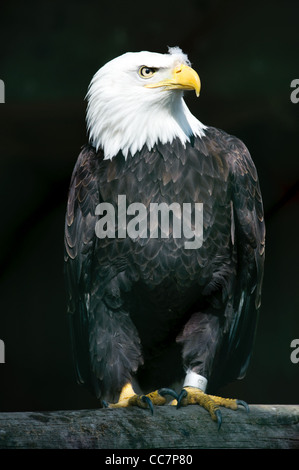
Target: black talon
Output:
[(147, 400), (105, 404), (219, 418), (182, 395), (243, 403), (168, 391)]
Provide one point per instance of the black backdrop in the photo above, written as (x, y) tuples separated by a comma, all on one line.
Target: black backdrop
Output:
[(246, 54)]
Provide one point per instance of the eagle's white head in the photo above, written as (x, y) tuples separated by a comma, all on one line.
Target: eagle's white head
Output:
[(137, 99)]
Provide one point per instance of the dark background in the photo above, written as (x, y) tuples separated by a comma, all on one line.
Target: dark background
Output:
[(246, 54)]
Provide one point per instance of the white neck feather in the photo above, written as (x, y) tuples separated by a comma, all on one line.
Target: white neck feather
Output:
[(118, 120)]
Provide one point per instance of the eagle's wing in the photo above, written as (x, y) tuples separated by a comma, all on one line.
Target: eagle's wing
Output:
[(79, 242), (248, 236)]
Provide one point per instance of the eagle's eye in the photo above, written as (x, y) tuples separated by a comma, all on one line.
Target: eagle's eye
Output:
[(146, 72)]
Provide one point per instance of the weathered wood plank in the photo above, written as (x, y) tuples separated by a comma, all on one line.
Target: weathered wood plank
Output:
[(265, 427)]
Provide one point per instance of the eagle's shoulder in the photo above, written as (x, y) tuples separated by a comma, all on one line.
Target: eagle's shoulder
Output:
[(232, 150)]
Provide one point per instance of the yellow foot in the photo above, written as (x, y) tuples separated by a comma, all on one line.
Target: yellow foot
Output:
[(211, 403), (129, 398)]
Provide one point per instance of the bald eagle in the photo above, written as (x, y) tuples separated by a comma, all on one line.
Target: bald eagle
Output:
[(150, 315)]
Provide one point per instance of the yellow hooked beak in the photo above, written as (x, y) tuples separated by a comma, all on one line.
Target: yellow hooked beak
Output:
[(183, 78)]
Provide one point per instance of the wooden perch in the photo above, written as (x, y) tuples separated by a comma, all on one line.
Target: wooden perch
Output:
[(265, 426)]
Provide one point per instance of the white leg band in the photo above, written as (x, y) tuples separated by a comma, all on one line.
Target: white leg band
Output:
[(195, 380)]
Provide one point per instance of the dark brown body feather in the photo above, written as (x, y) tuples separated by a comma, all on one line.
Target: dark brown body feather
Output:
[(149, 308)]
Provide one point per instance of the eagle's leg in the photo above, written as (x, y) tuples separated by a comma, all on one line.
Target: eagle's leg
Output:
[(200, 338), (128, 397)]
